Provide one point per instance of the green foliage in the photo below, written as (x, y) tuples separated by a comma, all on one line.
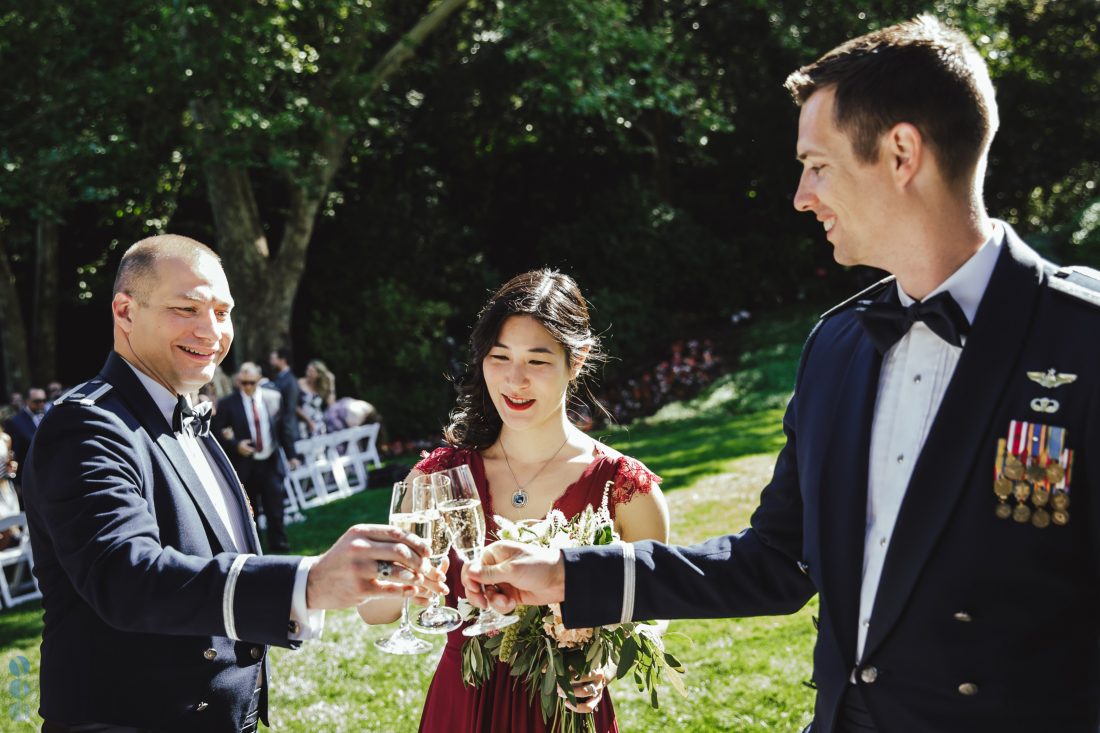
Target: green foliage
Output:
[(620, 62), (386, 338)]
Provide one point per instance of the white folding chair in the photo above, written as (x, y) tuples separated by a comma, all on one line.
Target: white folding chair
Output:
[(292, 510), (360, 447), (23, 587), (320, 479)]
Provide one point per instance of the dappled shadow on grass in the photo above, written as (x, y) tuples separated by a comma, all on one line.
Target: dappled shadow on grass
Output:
[(21, 626), (686, 450), (740, 414)]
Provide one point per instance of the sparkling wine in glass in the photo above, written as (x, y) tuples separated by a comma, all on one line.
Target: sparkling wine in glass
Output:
[(460, 507), (436, 618), (422, 525)]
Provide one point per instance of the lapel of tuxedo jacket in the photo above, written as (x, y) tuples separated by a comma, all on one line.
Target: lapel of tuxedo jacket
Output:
[(949, 457), (237, 489), (120, 375), (842, 494)]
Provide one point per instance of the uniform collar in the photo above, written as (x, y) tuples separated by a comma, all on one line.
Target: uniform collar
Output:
[(164, 399), (968, 283)]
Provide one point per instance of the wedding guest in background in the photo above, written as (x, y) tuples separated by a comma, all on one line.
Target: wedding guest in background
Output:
[(287, 385), (532, 348), (53, 390), (23, 425), (247, 425), (159, 606), (317, 391), (10, 504), (937, 489)]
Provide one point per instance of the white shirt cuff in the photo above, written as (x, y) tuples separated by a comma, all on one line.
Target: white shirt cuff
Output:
[(305, 623)]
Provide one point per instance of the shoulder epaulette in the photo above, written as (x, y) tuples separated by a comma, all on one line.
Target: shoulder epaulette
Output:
[(1078, 282), (85, 394), (862, 295)]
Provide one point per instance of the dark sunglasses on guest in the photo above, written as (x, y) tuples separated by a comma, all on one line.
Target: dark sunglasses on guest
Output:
[(247, 382)]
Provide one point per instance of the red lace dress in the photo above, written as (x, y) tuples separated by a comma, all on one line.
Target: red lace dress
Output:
[(501, 705)]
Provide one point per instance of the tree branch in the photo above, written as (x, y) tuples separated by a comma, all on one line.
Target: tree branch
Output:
[(403, 50)]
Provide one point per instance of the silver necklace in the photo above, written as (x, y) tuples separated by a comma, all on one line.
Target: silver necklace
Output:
[(519, 496)]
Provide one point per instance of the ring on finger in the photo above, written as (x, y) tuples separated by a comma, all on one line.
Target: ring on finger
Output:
[(385, 569)]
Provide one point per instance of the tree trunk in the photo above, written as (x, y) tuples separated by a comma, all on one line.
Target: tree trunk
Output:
[(264, 286), (244, 252), (13, 335), (44, 326)]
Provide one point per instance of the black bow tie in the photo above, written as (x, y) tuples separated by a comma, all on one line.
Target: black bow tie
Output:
[(886, 323), (195, 420)]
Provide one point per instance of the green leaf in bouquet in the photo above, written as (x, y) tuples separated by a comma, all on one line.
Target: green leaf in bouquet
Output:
[(674, 679), (548, 700), (548, 680), (605, 535), (653, 698), (566, 686), (627, 655), (593, 653), (673, 662)]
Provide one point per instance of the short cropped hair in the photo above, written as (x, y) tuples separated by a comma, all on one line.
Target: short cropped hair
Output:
[(248, 368), (921, 72), (283, 352), (137, 272)]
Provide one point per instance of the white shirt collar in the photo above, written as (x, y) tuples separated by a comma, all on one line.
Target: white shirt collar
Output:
[(968, 283), (164, 399)]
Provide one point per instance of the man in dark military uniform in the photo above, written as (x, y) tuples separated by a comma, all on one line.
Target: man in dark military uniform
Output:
[(158, 606), (939, 488)]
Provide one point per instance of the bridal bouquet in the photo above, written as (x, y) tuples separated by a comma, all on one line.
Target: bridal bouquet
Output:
[(546, 655)]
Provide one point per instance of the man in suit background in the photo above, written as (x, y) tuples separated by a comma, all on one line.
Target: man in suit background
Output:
[(287, 385), (22, 425), (937, 488), (247, 425), (159, 608)]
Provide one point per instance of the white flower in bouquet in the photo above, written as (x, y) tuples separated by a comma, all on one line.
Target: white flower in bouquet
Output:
[(566, 638)]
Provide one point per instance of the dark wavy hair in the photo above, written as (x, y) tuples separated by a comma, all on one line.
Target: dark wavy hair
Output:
[(555, 301)]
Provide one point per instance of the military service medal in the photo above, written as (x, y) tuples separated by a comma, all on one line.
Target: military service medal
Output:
[(1033, 467)]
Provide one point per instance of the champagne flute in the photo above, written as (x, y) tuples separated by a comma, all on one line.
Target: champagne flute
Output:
[(436, 618), (460, 508), (403, 641)]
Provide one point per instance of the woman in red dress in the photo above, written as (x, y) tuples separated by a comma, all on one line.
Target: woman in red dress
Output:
[(531, 348)]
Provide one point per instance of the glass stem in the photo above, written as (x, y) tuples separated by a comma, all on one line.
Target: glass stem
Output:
[(435, 601), (406, 627), (488, 612)]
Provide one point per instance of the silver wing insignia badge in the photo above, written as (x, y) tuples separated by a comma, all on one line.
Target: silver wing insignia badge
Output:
[(1051, 378)]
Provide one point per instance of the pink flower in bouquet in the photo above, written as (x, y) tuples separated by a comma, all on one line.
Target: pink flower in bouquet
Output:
[(555, 629)]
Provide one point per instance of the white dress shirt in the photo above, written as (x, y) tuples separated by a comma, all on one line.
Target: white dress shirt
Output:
[(223, 496), (266, 438), (915, 374)]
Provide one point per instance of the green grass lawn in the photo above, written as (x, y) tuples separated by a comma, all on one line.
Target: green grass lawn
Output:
[(715, 453)]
